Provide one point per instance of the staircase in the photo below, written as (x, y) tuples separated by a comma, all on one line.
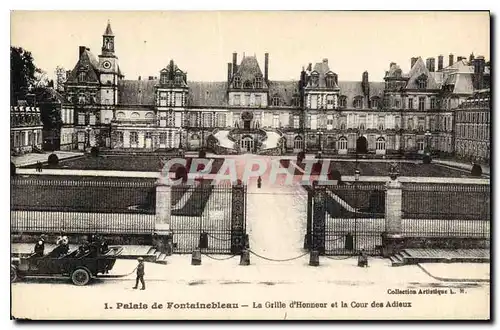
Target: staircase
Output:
[(148, 253), (416, 256)]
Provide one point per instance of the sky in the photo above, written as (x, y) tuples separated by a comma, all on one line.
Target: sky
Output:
[(202, 43)]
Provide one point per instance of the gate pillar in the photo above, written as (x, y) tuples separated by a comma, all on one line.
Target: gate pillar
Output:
[(318, 219), (308, 237), (238, 207), (392, 240), (163, 204)]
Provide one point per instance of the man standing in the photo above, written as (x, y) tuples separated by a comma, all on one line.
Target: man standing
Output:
[(140, 274)]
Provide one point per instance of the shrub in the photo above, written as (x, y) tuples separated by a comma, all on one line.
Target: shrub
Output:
[(12, 169), (94, 151), (202, 153), (476, 170), (53, 160), (335, 175), (427, 159)]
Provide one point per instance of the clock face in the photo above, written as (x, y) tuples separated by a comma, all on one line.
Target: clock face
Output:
[(106, 65)]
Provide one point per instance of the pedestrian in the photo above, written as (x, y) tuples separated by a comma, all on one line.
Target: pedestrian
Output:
[(140, 274), (38, 166), (40, 247), (362, 259), (259, 182)]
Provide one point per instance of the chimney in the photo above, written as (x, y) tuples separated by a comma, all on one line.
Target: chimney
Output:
[(266, 66), (428, 64), (235, 63), (390, 65), (325, 61), (365, 85), (433, 64), (413, 61), (229, 73), (459, 58), (440, 62), (471, 58), (82, 50), (150, 78), (450, 62), (309, 67), (139, 78), (479, 64)]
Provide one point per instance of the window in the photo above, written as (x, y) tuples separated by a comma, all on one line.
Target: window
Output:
[(343, 101), (237, 82), (247, 99), (410, 124), (178, 79), (421, 145), (398, 122), (421, 103), (163, 138), (221, 120), (92, 119), (358, 102), (81, 76), (314, 101), (163, 99), (237, 99), (296, 121), (149, 115), (207, 120), (298, 143), (135, 115), (120, 115), (314, 79), (422, 83), (148, 135), (410, 103), (433, 103), (296, 101), (163, 78), (258, 82), (258, 100), (81, 119), (329, 122), (178, 99), (342, 143), (170, 118), (82, 99), (342, 126), (397, 103), (248, 84), (119, 138), (276, 100), (134, 138), (380, 144), (276, 121), (329, 102), (329, 81), (375, 103)]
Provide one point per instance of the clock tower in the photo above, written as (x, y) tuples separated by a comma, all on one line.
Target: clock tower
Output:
[(109, 69)]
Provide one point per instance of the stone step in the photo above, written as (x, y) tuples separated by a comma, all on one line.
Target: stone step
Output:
[(162, 259), (396, 261)]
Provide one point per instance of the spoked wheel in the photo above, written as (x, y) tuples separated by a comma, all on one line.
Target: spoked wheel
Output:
[(13, 274), (80, 277)]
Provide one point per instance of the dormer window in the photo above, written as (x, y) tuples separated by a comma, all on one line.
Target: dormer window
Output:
[(343, 101), (276, 101), (81, 76), (330, 82), (258, 82), (248, 84), (237, 82), (375, 103), (314, 79), (358, 102), (422, 82), (296, 101), (163, 79), (178, 79)]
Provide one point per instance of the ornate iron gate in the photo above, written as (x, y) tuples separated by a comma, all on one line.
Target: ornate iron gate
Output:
[(345, 219), (212, 218)]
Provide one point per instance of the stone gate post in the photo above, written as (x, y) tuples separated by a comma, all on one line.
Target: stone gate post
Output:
[(392, 238), (163, 203), (318, 218)]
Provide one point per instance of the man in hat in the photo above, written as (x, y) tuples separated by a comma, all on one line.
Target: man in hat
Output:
[(40, 247), (140, 274)]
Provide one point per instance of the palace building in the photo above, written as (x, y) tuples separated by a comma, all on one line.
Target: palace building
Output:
[(405, 112)]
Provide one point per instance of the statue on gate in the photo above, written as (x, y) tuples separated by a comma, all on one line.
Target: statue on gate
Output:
[(394, 170)]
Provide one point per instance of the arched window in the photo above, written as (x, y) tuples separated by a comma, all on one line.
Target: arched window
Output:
[(178, 79), (375, 102), (362, 127), (149, 115), (276, 101), (314, 79), (343, 101), (163, 78), (342, 126), (237, 82), (342, 143), (135, 115), (358, 102), (81, 76), (119, 138), (410, 124), (380, 144), (120, 115), (298, 142)]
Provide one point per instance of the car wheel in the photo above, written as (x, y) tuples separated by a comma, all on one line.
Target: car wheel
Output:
[(13, 274), (80, 277)]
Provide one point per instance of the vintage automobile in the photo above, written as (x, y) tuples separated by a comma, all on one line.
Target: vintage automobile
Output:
[(80, 265)]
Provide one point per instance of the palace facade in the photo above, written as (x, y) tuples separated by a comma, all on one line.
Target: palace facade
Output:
[(405, 112)]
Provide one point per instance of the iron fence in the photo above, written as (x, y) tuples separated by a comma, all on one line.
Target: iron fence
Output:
[(83, 204), (446, 210)]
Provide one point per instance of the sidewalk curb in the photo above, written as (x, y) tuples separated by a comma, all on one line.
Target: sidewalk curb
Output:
[(452, 279)]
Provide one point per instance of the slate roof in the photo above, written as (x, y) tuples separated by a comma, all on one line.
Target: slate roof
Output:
[(351, 89), (249, 69), (322, 69), (88, 60), (136, 92), (108, 31), (285, 89), (419, 69), (203, 93)]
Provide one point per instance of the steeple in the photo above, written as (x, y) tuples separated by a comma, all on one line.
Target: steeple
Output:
[(108, 42), (108, 31)]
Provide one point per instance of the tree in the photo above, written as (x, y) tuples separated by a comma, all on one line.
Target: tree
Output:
[(53, 160), (23, 73)]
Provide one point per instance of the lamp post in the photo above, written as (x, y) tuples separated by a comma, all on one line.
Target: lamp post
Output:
[(428, 135), (88, 129)]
